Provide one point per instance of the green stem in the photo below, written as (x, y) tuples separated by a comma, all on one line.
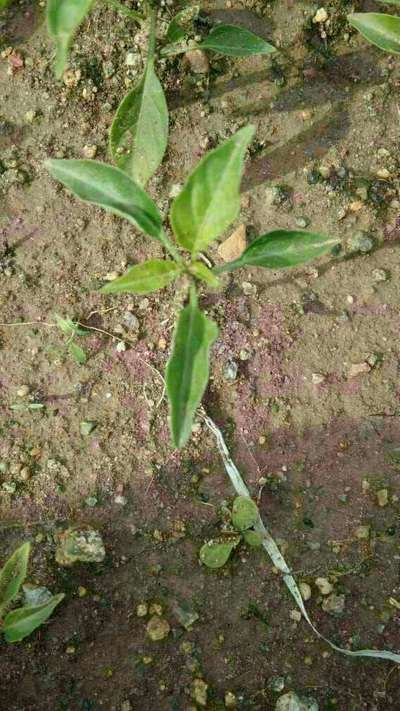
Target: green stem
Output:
[(170, 247), (229, 267), (152, 35), (171, 51), (119, 7)]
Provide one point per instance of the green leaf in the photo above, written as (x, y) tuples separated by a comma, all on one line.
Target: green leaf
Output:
[(252, 538), (12, 575), (78, 353), (4, 4), (139, 133), (215, 554), (110, 188), (18, 624), (66, 325), (210, 199), (244, 513), (180, 25), (144, 278), (280, 249), (200, 271), (235, 42), (63, 20), (188, 369), (389, 2), (381, 30)]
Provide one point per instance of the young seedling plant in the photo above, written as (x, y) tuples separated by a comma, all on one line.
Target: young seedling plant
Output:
[(207, 205), (240, 526), (139, 132), (22, 621), (378, 28)]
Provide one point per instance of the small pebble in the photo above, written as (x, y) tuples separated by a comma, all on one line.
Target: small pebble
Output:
[(90, 151), (324, 586), (358, 369), (320, 16), (230, 370), (295, 615), (305, 590), (382, 497), (334, 604), (380, 275), (157, 628), (23, 391), (362, 532)]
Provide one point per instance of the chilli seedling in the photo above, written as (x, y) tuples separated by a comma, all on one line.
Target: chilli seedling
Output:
[(207, 205), (22, 621)]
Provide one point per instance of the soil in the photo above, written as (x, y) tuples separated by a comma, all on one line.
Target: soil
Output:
[(314, 441)]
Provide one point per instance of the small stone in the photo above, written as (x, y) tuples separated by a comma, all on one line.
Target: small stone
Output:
[(23, 391), (131, 321), (382, 497), (79, 544), (175, 190), (142, 609), (230, 370), (380, 275), (320, 16), (356, 206), (276, 684), (198, 61), (120, 347), (358, 369), (295, 615), (249, 289), (30, 116), (383, 173), (110, 276), (361, 242), (89, 151), (24, 474), (199, 692), (334, 604), (120, 500), (82, 591), (230, 700), (71, 77), (131, 59), (302, 222), (126, 706), (158, 628), (317, 378), (292, 702), (305, 590), (244, 354), (362, 532), (35, 595), (87, 427), (233, 247), (324, 586)]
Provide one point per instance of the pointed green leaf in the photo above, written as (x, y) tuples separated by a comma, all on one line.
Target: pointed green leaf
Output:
[(78, 353), (280, 249), (200, 271), (214, 554), (244, 513), (252, 538), (18, 624), (210, 199), (144, 278), (235, 42), (381, 30), (188, 369), (180, 25), (108, 187), (63, 20), (12, 575), (139, 133)]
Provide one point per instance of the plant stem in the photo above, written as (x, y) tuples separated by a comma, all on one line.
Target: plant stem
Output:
[(170, 247), (152, 35), (229, 267), (171, 51), (119, 7)]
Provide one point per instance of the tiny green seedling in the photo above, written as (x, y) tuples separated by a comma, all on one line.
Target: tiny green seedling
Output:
[(72, 330), (21, 622), (215, 553), (139, 132), (207, 205), (378, 28)]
